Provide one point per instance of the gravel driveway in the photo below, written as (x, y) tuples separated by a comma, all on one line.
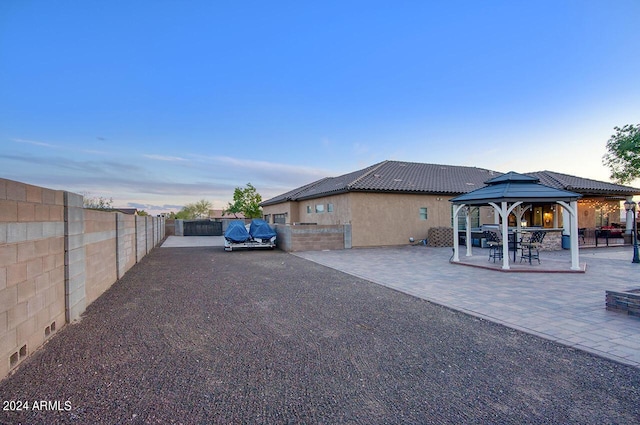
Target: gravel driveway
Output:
[(199, 336)]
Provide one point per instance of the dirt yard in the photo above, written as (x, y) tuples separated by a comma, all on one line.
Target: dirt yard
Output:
[(199, 336)]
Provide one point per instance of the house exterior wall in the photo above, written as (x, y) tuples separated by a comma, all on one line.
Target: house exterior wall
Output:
[(289, 208), (391, 219), (342, 210), (379, 219), (589, 208)]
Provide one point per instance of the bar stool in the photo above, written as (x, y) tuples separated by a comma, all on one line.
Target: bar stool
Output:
[(531, 243), (495, 245)]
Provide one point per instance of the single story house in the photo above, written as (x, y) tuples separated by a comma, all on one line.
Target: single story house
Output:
[(128, 211), (389, 202)]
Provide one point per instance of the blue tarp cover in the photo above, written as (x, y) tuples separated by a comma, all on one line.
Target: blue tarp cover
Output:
[(236, 232), (260, 229)]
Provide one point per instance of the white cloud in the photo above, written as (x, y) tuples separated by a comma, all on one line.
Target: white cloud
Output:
[(152, 207), (34, 143), (165, 158)]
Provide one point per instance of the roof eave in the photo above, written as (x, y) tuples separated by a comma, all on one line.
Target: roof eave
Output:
[(486, 201), (321, 195)]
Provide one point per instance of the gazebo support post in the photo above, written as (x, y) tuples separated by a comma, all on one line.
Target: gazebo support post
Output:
[(504, 210), (572, 209), (468, 233), (505, 236), (519, 212), (456, 237)]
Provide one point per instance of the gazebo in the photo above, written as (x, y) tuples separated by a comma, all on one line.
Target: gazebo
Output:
[(513, 193)]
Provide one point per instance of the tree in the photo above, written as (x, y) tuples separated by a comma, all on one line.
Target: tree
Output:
[(201, 208), (184, 214), (245, 201), (623, 153), (198, 210), (97, 203)]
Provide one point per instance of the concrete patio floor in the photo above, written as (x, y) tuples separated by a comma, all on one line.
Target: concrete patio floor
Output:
[(566, 308), (550, 262)]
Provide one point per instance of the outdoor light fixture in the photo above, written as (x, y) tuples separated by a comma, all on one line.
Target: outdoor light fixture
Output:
[(631, 206)]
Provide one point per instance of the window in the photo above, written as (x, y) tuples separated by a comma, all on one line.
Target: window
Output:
[(319, 208), (280, 218), (329, 207), (602, 217), (474, 218), (423, 213), (308, 209)]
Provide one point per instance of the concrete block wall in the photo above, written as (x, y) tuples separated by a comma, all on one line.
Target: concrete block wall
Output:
[(100, 252), (75, 255), (32, 304), (141, 242), (150, 236), (170, 227), (55, 259), (293, 238), (126, 236)]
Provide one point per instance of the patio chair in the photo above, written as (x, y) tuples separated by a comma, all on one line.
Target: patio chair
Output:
[(494, 243), (530, 245)]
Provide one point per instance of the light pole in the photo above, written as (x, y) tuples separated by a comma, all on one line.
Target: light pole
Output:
[(631, 206)]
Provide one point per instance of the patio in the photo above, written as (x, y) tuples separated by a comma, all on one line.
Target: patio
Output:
[(550, 262), (567, 308)]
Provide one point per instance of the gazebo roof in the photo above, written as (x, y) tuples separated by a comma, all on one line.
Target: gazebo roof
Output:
[(513, 187)]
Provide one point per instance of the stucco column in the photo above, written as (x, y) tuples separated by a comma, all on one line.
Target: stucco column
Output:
[(566, 222), (629, 219)]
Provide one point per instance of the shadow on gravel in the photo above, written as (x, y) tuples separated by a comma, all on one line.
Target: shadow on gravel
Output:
[(197, 335)]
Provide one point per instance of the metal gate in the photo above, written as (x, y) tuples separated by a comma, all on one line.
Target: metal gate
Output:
[(202, 228)]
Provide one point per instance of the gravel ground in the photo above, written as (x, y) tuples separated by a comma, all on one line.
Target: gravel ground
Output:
[(200, 336)]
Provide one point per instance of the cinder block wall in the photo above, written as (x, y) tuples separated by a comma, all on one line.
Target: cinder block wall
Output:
[(126, 228), (141, 242), (169, 227), (32, 269), (100, 252), (313, 237), (55, 259)]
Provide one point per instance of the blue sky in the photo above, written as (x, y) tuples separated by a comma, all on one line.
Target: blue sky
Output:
[(161, 103)]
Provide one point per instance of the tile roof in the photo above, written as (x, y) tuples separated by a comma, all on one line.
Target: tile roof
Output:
[(413, 177), (582, 185), (394, 176), (512, 187)]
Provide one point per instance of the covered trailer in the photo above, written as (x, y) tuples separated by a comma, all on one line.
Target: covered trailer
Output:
[(259, 235)]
